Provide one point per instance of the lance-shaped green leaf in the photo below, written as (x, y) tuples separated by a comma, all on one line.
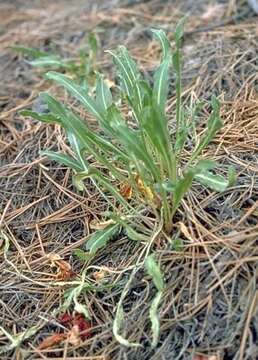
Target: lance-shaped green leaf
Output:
[(161, 83), (93, 43), (213, 181), (176, 59), (161, 36), (117, 325), (63, 159), (154, 318), (54, 106), (214, 125), (77, 91), (50, 61), (129, 76), (183, 184), (78, 149), (154, 271), (216, 182), (107, 184), (181, 187), (34, 53), (155, 125), (161, 75), (72, 295), (204, 165), (181, 133), (46, 118), (100, 238), (103, 94), (131, 139), (17, 339), (179, 30), (83, 256), (88, 139)]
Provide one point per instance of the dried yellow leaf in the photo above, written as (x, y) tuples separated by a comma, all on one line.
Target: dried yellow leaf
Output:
[(95, 225)]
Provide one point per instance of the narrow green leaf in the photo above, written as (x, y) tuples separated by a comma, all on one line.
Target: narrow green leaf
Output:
[(72, 123), (154, 318), (161, 82), (232, 176), (82, 255), (78, 180), (103, 95), (176, 59), (130, 76), (204, 165), (78, 148), (17, 339), (181, 187), (118, 322), (93, 42), (71, 297), (48, 61), (181, 133), (100, 238), (34, 53), (133, 235), (179, 30), (76, 91), (54, 106), (154, 271), (154, 123), (161, 36), (62, 159), (80, 308), (46, 118), (214, 182), (131, 139), (214, 125)]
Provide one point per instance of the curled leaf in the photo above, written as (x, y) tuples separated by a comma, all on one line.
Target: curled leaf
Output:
[(118, 321), (64, 268), (154, 317)]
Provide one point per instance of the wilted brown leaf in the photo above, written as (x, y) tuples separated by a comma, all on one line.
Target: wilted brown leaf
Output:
[(126, 191), (99, 275), (100, 225), (185, 231), (73, 336), (51, 341), (64, 268)]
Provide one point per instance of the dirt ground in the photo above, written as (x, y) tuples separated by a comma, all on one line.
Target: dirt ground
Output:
[(209, 309)]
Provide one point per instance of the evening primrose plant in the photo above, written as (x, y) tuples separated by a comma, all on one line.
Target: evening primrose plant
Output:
[(138, 168)]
